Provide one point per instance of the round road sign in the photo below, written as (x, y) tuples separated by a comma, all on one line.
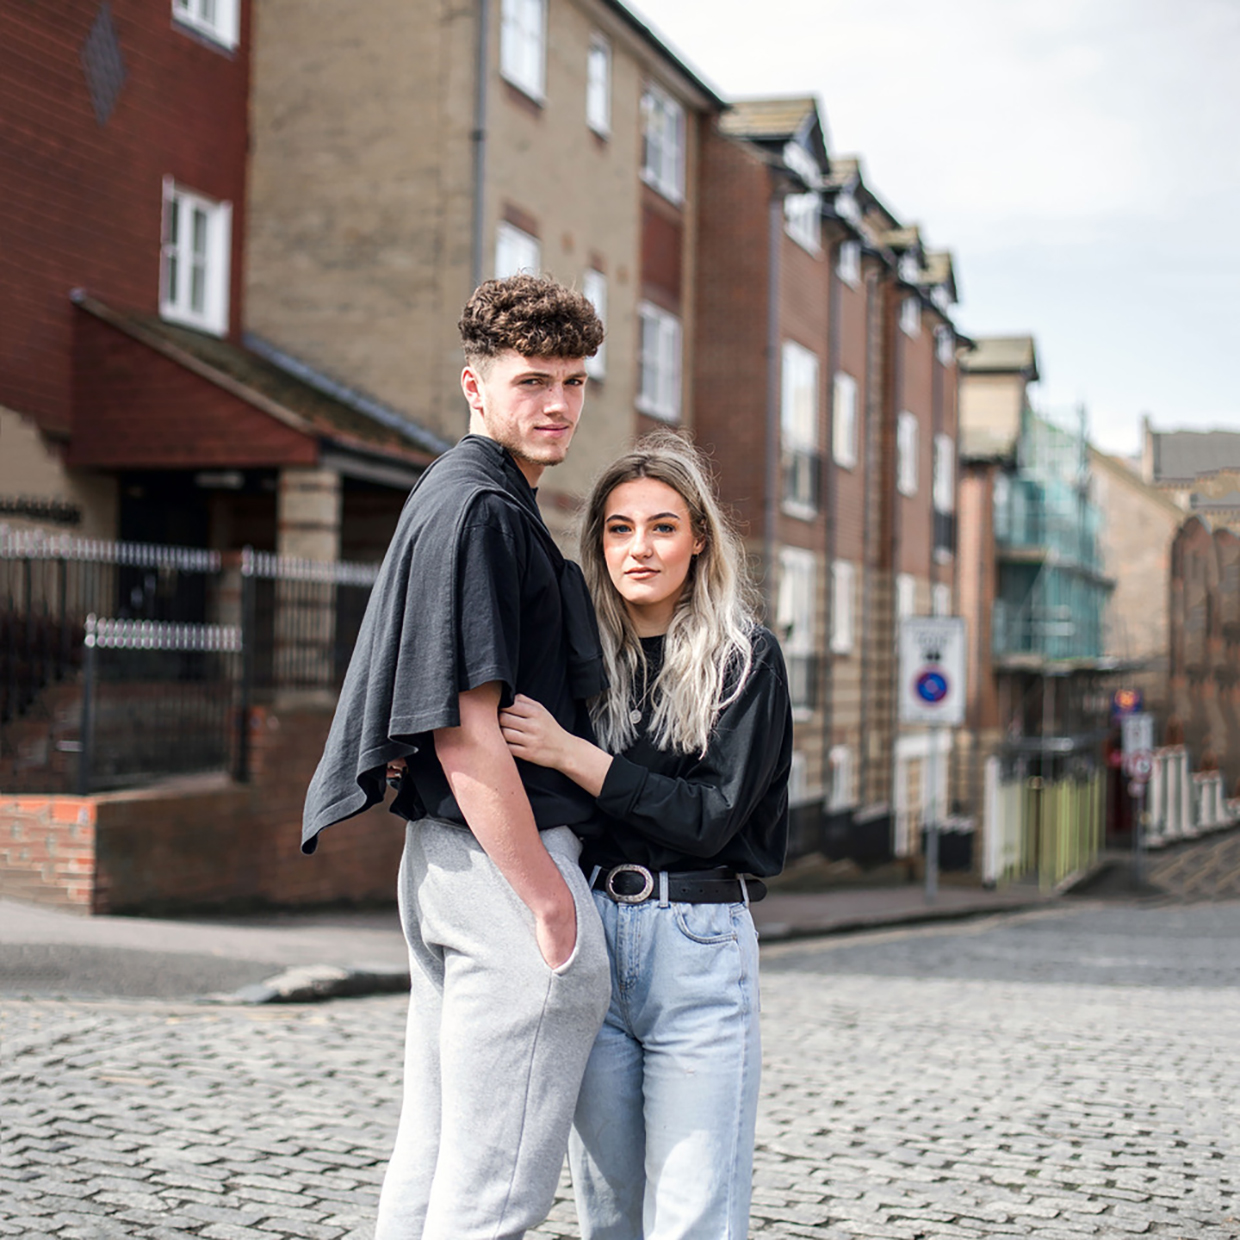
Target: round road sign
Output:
[(931, 686)]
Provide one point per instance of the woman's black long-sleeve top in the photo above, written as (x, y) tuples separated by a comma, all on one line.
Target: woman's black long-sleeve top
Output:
[(727, 807)]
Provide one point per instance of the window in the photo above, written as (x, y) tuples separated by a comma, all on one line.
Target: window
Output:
[(663, 143), (941, 600), (841, 607), (945, 345), (799, 429), (906, 454), (803, 220), (906, 595), (659, 389), (598, 85), (798, 778), (196, 252), (794, 619), (944, 474), (844, 420), (219, 20), (848, 263), (594, 286), (840, 765), (910, 316), (522, 45), (516, 252)]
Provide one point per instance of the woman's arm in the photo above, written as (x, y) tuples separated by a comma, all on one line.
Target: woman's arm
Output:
[(534, 735)]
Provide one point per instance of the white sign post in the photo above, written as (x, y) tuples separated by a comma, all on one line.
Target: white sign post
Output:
[(1138, 737), (932, 691)]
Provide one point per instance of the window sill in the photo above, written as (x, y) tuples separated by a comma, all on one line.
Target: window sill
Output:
[(675, 196), (213, 39), (802, 512), (536, 100), (660, 415)]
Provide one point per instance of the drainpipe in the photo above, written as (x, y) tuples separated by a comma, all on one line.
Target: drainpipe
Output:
[(479, 139), (770, 506), (830, 505)]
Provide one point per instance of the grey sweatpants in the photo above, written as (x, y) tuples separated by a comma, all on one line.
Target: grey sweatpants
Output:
[(496, 1045)]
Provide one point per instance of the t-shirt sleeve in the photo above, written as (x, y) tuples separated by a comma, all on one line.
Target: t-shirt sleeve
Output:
[(488, 634), (698, 811)]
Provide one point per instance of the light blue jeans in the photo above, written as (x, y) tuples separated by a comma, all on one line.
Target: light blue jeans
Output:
[(663, 1136)]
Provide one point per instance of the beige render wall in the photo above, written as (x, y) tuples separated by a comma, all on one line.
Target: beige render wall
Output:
[(1137, 529), (30, 468), (360, 193), (584, 194), (990, 409)]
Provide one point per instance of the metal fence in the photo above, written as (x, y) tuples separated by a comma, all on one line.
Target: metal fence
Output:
[(158, 699), (189, 641)]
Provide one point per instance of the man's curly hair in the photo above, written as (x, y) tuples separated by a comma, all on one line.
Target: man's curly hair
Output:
[(535, 316)]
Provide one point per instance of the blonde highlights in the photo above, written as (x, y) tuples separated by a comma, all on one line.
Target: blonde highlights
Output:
[(708, 650)]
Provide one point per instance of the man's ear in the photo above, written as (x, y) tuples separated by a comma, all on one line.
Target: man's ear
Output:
[(471, 385)]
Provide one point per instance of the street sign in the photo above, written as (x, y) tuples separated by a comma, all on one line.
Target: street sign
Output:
[(932, 663), (1140, 766), (1138, 733), (1127, 701)]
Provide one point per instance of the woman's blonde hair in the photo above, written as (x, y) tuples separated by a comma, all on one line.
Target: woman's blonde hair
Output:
[(708, 650)]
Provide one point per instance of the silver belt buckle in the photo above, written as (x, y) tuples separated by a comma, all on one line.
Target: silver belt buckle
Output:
[(628, 868)]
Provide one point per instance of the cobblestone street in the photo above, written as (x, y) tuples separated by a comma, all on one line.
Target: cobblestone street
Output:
[(1066, 1073)]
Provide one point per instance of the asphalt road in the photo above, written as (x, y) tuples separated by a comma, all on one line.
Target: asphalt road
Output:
[(1066, 1073)]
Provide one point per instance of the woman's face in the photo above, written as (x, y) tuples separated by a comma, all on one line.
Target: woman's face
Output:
[(649, 545)]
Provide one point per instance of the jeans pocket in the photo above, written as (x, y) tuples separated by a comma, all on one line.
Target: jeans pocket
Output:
[(705, 923)]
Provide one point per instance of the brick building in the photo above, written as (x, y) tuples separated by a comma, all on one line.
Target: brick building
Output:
[(559, 136), (825, 387), (130, 403)]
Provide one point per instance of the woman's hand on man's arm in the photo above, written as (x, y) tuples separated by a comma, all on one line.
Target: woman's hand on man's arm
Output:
[(533, 735)]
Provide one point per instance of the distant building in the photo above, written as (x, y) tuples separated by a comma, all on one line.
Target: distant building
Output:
[(1032, 578), (1198, 470)]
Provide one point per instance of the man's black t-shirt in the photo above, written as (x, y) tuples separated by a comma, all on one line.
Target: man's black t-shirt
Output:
[(509, 631), (472, 589)]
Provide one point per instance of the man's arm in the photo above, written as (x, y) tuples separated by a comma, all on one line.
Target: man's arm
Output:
[(483, 777)]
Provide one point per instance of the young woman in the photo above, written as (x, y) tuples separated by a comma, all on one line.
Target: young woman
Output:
[(691, 778)]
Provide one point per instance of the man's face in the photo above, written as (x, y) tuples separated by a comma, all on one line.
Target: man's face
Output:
[(530, 405)]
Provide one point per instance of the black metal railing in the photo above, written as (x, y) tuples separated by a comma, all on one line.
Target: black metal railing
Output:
[(158, 699), (295, 622)]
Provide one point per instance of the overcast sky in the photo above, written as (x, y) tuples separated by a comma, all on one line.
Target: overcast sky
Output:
[(1078, 157)]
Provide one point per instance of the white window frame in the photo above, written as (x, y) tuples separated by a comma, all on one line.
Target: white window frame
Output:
[(516, 251), (910, 316), (848, 263), (944, 487), (598, 85), (217, 20), (795, 609), (840, 794), (844, 420), (803, 220), (843, 577), (945, 345), (659, 363), (594, 288), (798, 778), (523, 46), (798, 427), (941, 599), (663, 143), (907, 450), (204, 307), (906, 595)]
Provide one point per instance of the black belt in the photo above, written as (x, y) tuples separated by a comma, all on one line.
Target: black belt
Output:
[(635, 884)]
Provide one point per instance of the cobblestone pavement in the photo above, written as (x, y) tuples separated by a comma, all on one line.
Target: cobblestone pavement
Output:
[(1055, 1075), (1206, 869)]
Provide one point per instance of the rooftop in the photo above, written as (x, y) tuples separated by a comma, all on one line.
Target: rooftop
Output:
[(1002, 355), (1185, 455)]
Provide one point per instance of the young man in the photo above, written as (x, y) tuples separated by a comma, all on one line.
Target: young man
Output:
[(473, 605)]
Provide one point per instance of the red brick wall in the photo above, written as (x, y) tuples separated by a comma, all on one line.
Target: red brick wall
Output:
[(849, 506), (730, 373), (138, 409), (202, 844), (82, 202), (916, 395)]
